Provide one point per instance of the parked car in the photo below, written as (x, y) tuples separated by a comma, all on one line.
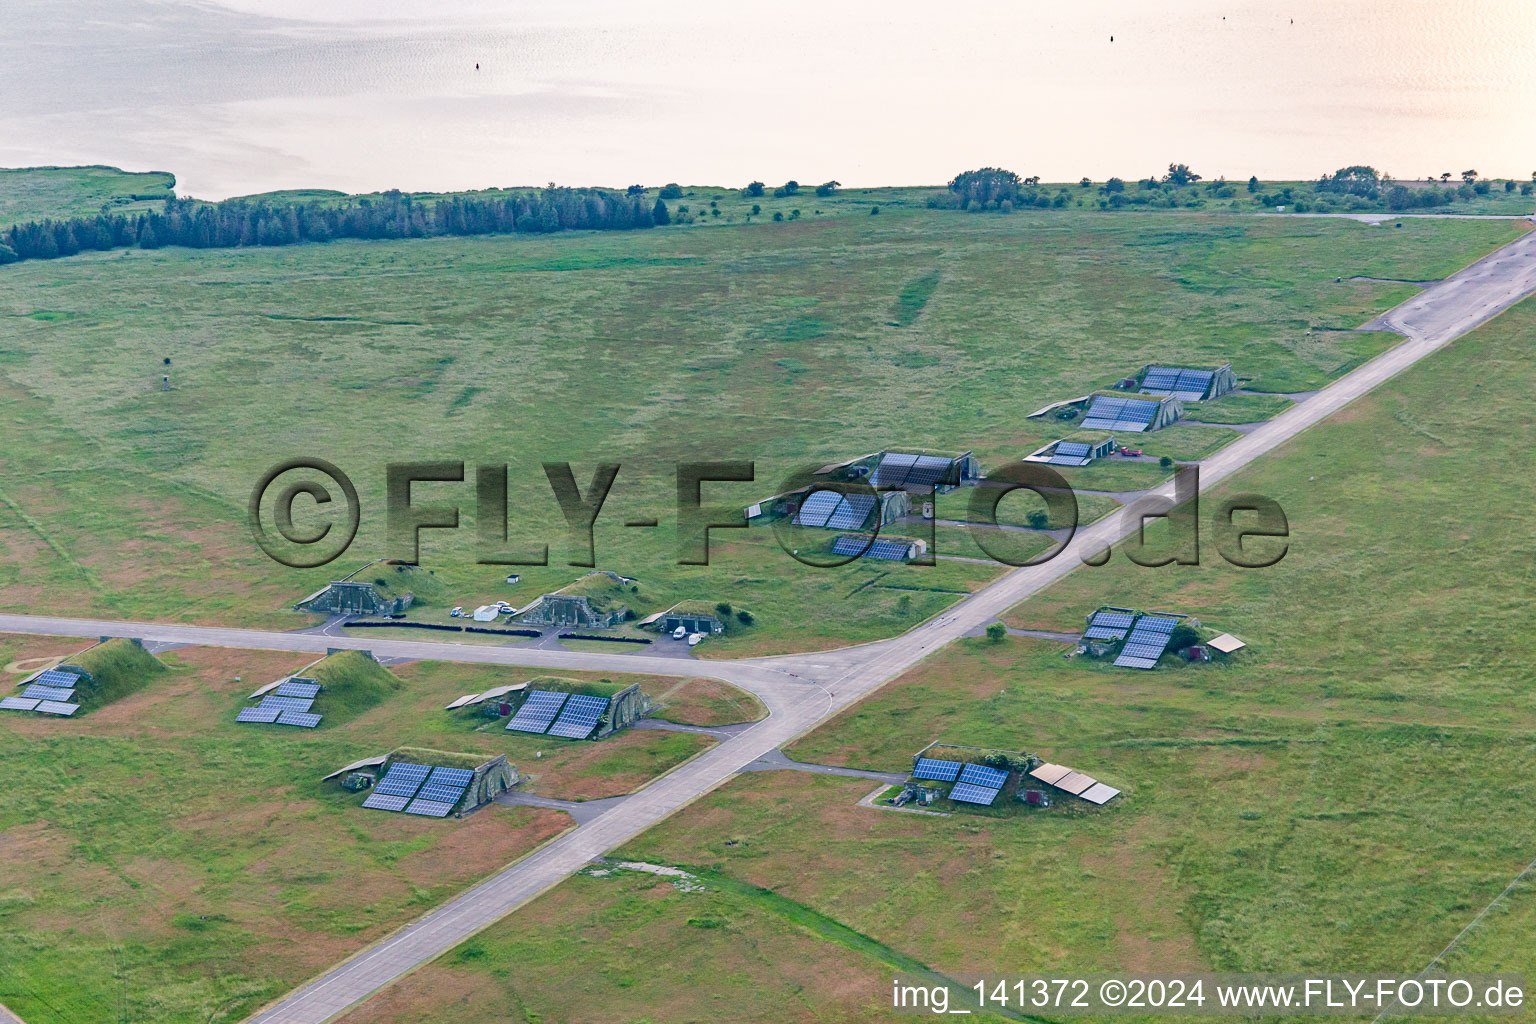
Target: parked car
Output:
[(679, 633), (695, 639), (457, 612), (1130, 451)]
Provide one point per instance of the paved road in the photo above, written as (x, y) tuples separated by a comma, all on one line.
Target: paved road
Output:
[(800, 691)]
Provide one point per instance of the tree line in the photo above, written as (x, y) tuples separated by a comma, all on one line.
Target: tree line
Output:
[(237, 223)]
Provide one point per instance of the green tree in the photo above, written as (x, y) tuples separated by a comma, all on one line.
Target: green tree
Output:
[(778, 215), (671, 190), (754, 190), (1253, 183), (996, 632), (1180, 175), (659, 213)]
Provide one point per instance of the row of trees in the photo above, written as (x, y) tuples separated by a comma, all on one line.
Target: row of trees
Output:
[(237, 223)]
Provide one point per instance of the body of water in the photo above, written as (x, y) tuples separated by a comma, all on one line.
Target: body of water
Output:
[(244, 96)]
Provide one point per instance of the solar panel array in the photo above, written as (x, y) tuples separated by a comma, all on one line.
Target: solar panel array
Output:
[(1189, 385), (47, 692), (50, 692), (968, 793), (1076, 783), (897, 470), (431, 792), (288, 703), (835, 511), (1072, 453), (1109, 625), (938, 771), (981, 775), (540, 709), (885, 550), (1147, 641), (1109, 412), (579, 717), (298, 688)]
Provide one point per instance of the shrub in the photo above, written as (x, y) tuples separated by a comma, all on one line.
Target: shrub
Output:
[(1166, 462), (744, 617), (671, 190), (753, 190), (723, 609), (777, 215), (996, 632), (1037, 519), (873, 210)]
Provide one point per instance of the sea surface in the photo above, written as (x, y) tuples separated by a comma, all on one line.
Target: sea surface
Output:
[(244, 96)]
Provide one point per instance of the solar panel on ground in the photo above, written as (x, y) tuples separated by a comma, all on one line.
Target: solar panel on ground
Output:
[(429, 808), (1160, 623), (1074, 782), (384, 802), (57, 707), (852, 513), (538, 710), (939, 771), (579, 717), (884, 550), (966, 793), (981, 775), (48, 692), (1130, 661), (1098, 793), (294, 688), (451, 777), (264, 716), (287, 703), (1071, 453), (1049, 773), (1183, 383), (1113, 619), (929, 471), (55, 677), (302, 719), (443, 794), (402, 780), (1111, 413), (19, 703), (817, 508)]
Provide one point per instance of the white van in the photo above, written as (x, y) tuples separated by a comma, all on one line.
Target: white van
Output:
[(679, 633)]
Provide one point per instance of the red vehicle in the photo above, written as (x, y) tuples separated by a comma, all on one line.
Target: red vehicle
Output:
[(1130, 451)]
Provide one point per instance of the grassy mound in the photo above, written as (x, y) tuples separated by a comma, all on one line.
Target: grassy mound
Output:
[(439, 758), (559, 684), (353, 683), (113, 670)]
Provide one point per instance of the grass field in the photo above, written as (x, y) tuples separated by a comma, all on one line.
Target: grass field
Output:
[(1345, 795), (162, 862), (39, 193), (772, 343)]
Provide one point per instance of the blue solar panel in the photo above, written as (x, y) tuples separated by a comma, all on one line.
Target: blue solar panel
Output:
[(1159, 623), (939, 771), (287, 703), (54, 677), (537, 711), (295, 688), (57, 707), (408, 770), (884, 550), (443, 794), (429, 808), (19, 703), (451, 776), (384, 802), (47, 692), (834, 510), (1114, 620), (579, 717), (302, 719), (966, 793), (402, 780), (981, 775), (1073, 448), (265, 716)]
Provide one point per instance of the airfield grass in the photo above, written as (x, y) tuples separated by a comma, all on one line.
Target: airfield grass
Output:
[(771, 343), (163, 862), (1346, 794)]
